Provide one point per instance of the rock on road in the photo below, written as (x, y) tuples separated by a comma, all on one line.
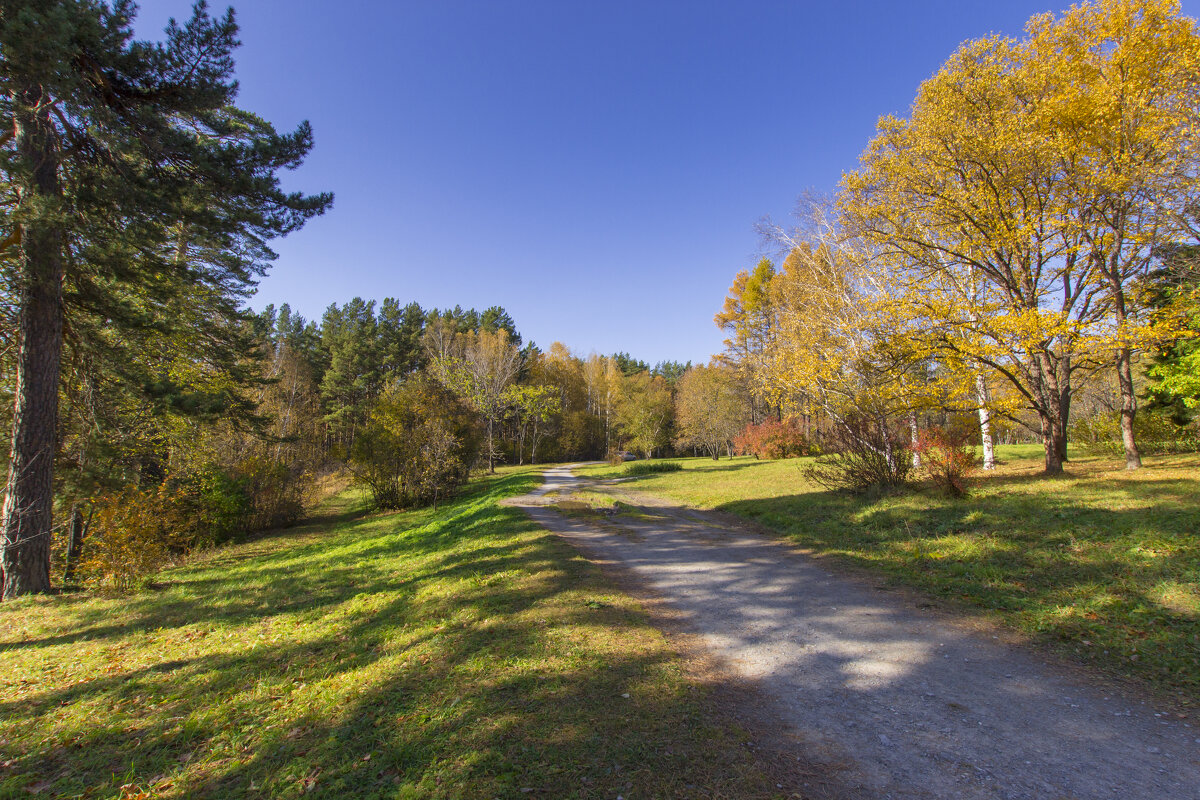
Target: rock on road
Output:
[(898, 703)]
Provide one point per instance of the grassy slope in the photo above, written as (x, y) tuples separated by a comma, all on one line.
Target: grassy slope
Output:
[(1101, 561), (458, 652)]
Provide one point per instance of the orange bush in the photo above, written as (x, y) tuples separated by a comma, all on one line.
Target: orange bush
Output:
[(947, 458), (774, 439)]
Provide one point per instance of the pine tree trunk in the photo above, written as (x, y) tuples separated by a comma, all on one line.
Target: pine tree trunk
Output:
[(27, 523)]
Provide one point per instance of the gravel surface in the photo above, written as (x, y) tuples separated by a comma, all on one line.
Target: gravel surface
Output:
[(898, 701)]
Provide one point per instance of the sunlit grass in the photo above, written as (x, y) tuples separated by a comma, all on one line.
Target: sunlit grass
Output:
[(1103, 562), (456, 652)]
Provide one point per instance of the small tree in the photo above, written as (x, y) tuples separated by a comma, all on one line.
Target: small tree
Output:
[(644, 411), (418, 446)]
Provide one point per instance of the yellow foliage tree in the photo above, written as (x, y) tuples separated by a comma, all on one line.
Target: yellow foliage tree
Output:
[(1015, 209), (749, 318)]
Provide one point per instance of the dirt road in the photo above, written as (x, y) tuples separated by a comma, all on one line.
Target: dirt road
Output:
[(893, 700)]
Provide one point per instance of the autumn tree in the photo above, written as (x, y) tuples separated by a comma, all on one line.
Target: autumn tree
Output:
[(1021, 200), (842, 351), (749, 319), (1119, 123), (579, 432), (644, 411), (137, 182), (711, 408)]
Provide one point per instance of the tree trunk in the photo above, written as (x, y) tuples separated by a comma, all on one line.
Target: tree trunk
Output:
[(1050, 441), (29, 492), (985, 422), (914, 433), (1050, 406), (74, 544), (1063, 396), (491, 449), (1133, 457)]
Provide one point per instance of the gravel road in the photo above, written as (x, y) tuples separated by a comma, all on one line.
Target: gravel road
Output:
[(899, 702)]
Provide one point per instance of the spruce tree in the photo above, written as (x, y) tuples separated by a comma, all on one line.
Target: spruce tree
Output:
[(137, 189)]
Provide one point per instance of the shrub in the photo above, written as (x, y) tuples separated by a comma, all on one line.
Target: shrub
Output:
[(947, 458), (651, 467), (773, 439), (867, 454), (134, 533), (418, 447), (214, 502), (275, 492)]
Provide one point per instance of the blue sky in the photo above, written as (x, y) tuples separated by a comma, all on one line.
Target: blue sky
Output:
[(595, 168)]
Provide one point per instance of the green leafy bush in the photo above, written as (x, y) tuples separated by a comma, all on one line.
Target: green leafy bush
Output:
[(418, 447), (651, 467)]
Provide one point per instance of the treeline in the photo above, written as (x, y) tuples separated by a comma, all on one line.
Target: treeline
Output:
[(1015, 252), (402, 400)]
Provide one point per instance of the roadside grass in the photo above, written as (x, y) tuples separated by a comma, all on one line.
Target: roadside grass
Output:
[(457, 652), (1102, 563)]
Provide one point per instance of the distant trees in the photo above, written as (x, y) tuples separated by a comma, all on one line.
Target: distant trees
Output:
[(711, 409)]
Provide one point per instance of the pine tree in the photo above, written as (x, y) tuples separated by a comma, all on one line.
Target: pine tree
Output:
[(140, 190)]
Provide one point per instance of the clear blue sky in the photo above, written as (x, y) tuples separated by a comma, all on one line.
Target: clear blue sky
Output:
[(596, 168)]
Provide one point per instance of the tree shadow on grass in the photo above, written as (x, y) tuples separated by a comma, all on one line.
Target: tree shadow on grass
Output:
[(433, 655), (274, 574)]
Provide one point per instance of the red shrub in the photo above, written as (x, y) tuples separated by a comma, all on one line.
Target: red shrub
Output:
[(774, 439), (948, 459)]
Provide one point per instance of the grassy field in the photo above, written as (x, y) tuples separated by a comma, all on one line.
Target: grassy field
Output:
[(1100, 562), (452, 653)]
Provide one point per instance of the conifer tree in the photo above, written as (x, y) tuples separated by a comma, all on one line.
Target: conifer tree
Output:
[(139, 189)]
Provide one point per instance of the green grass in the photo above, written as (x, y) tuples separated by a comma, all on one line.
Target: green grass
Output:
[(1101, 562), (460, 652)]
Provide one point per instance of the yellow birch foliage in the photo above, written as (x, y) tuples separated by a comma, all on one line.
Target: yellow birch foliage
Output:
[(1016, 206), (839, 349)]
